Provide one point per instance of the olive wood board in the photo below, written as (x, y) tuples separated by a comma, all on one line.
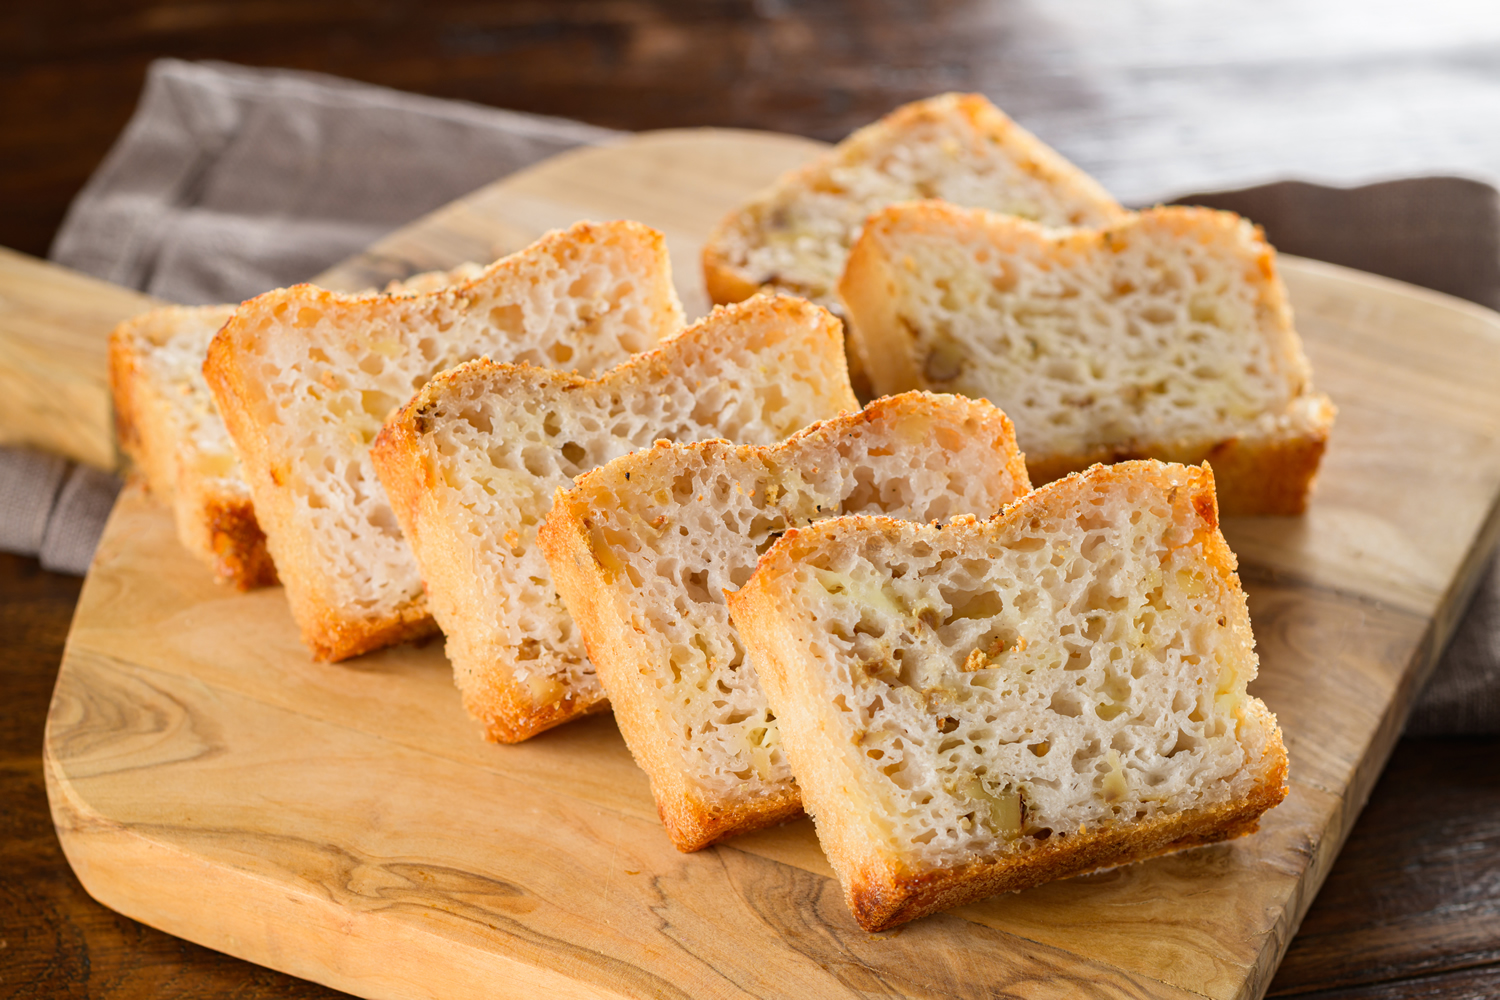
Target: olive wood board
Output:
[(345, 822)]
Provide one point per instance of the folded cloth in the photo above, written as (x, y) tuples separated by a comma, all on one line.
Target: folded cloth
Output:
[(53, 509), (229, 181)]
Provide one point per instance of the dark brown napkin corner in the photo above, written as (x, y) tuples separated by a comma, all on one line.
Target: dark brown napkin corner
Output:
[(229, 180)]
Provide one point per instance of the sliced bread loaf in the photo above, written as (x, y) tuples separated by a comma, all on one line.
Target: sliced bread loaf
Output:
[(1166, 336), (987, 705), (643, 549), (959, 147), (304, 377), (167, 423), (473, 461)]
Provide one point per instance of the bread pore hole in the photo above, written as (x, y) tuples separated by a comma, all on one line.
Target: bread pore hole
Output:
[(1063, 703), (1186, 743), (478, 418), (980, 606), (377, 404), (535, 460)]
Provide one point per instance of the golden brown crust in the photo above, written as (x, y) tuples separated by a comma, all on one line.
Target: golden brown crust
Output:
[(882, 899), (726, 283), (1258, 476), (238, 544), (140, 424), (1271, 476), (124, 370), (883, 893)]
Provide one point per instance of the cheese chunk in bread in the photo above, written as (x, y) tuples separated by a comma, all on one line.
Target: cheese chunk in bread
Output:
[(687, 522), (473, 461), (987, 705)]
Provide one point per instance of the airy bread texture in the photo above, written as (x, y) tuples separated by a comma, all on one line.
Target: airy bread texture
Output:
[(305, 377), (473, 461), (988, 705), (167, 423), (643, 549), (958, 147), (1166, 336)]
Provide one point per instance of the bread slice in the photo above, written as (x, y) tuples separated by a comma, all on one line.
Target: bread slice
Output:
[(685, 522), (167, 423), (473, 461), (987, 705), (304, 378), (795, 236), (1166, 336)]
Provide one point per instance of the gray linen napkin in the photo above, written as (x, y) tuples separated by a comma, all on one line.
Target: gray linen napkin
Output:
[(229, 181)]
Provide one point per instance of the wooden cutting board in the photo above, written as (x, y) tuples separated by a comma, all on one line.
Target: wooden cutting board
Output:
[(345, 823)]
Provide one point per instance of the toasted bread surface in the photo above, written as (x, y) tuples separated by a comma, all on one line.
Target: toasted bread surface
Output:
[(473, 461), (304, 377), (1166, 336), (690, 520), (983, 706)]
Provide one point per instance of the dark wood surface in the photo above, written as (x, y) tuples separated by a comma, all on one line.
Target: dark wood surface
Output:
[(1412, 907)]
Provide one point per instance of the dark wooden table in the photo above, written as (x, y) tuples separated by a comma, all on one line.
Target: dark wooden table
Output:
[(1412, 907)]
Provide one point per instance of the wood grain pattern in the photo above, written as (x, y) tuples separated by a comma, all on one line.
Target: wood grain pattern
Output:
[(345, 824), (54, 372)]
